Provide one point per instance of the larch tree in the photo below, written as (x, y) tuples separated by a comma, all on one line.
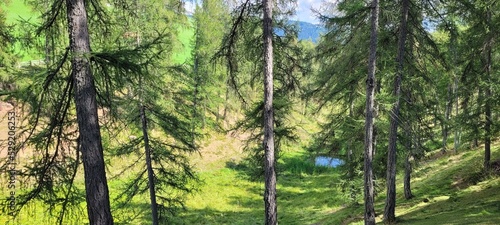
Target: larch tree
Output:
[(149, 124), (210, 77), (7, 56), (90, 145), (338, 88), (478, 101), (271, 208), (369, 124), (276, 64), (390, 204)]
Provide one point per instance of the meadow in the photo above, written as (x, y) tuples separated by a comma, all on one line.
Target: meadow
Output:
[(448, 189)]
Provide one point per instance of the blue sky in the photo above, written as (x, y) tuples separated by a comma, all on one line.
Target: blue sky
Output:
[(303, 10)]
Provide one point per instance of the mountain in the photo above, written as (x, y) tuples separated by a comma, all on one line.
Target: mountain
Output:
[(309, 31)]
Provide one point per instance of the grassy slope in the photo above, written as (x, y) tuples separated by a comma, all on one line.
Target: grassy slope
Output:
[(182, 53), (16, 11), (453, 184), (449, 190)]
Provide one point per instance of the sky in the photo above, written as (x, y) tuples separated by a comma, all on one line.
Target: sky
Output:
[(303, 10)]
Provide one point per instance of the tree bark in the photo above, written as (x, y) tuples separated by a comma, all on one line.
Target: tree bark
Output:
[(149, 165), (96, 187), (447, 112), (271, 217), (370, 96), (390, 204), (407, 179), (488, 95), (453, 43)]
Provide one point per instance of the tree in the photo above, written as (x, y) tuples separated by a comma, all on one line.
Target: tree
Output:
[(390, 205), (265, 119), (96, 187), (149, 124), (210, 76), (268, 143), (478, 98), (7, 56), (338, 87), (370, 96)]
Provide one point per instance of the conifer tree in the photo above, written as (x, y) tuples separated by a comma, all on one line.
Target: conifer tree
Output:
[(370, 95)]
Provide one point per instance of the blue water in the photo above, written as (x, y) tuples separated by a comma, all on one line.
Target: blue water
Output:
[(328, 161)]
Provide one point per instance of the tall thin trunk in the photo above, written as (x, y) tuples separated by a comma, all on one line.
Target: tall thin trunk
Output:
[(271, 214), (49, 39), (390, 204), (370, 99), (488, 95), (197, 78), (407, 179), (145, 133), (447, 112), (149, 165), (453, 43), (408, 171), (350, 163), (409, 145), (96, 187)]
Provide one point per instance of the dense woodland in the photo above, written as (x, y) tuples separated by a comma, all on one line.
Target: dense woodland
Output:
[(119, 102)]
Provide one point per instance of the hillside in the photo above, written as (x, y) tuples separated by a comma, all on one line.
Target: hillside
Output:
[(448, 189)]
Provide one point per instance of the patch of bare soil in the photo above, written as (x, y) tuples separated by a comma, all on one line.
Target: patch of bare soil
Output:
[(216, 151), (4, 129)]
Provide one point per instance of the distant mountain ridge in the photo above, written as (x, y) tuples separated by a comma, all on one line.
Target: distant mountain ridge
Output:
[(309, 31)]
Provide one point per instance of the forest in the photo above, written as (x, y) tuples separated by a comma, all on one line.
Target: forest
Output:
[(236, 112)]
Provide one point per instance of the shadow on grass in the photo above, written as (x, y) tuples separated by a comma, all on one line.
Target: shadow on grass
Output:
[(216, 217), (305, 193), (140, 213), (465, 209)]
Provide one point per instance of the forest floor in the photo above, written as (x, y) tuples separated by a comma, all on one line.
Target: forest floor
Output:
[(448, 189)]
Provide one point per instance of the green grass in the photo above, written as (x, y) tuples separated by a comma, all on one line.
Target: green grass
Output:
[(449, 190), (17, 10), (182, 53), (229, 196)]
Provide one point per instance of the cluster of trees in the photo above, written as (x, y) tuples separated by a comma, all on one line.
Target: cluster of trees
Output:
[(433, 62), (108, 92), (389, 74)]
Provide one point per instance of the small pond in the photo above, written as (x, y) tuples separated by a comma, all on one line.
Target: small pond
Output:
[(328, 161)]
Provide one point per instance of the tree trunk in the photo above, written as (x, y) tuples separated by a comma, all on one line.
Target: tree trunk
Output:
[(453, 43), (390, 204), (407, 179), (151, 183), (370, 96), (488, 95), (96, 187), (350, 160), (447, 112), (271, 217)]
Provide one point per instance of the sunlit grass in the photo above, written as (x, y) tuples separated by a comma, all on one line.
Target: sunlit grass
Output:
[(451, 189)]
